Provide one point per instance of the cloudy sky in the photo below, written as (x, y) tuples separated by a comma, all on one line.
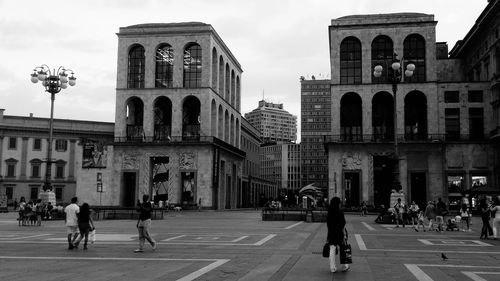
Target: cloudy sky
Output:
[(275, 41)]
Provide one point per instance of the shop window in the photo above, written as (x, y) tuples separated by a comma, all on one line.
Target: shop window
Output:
[(479, 181), (455, 183)]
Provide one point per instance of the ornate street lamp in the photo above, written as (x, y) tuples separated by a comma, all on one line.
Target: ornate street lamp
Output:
[(53, 82), (395, 77)]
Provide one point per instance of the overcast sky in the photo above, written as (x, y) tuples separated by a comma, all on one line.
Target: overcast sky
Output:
[(275, 41)]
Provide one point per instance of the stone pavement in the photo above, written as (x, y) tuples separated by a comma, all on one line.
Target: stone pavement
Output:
[(238, 245)]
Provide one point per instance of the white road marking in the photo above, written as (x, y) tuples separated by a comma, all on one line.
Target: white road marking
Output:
[(462, 243), (104, 237), (293, 225), (361, 243), (239, 239), (422, 276), (265, 239), (475, 275), (418, 273), (370, 228), (172, 238), (32, 236), (215, 262)]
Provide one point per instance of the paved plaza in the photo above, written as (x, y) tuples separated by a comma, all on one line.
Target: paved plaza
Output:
[(238, 245)]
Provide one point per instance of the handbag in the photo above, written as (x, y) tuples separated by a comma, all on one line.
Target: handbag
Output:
[(326, 250), (92, 236), (345, 251)]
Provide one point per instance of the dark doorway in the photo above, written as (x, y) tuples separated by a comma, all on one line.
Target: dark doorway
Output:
[(128, 190), (229, 187), (382, 180), (418, 184), (351, 188)]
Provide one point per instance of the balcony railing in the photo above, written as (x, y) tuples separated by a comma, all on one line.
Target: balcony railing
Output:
[(135, 133), (191, 132), (404, 138), (161, 133)]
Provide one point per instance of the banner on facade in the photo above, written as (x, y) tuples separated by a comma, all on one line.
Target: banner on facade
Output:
[(94, 154)]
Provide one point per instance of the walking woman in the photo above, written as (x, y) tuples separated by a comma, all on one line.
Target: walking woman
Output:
[(496, 221), (485, 217), (336, 223), (85, 224)]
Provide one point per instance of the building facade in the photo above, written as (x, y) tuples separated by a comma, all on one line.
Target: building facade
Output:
[(77, 146), (315, 104), (254, 187), (274, 123), (178, 121), (443, 122), (280, 163)]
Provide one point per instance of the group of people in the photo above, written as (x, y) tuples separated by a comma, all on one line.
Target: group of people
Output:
[(31, 213), (79, 223), (488, 210)]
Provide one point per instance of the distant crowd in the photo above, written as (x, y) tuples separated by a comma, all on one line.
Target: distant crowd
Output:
[(32, 213)]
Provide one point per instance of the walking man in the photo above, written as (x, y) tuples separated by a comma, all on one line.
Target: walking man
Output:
[(144, 223), (441, 211), (71, 219), (399, 209)]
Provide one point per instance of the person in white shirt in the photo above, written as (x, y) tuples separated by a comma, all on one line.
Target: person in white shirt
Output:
[(71, 220), (495, 208)]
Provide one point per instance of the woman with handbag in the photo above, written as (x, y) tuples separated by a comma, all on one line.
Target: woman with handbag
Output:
[(335, 223), (85, 225)]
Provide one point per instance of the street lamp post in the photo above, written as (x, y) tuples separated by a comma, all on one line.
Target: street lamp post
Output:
[(395, 77), (53, 82)]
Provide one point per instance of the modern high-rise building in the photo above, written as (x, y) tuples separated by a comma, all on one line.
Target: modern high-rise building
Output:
[(274, 122), (434, 133), (280, 162), (316, 114)]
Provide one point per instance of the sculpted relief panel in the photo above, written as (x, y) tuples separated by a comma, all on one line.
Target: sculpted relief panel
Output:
[(351, 161)]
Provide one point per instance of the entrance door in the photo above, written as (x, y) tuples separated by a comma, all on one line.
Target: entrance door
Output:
[(128, 189), (229, 187), (351, 188), (418, 186), (382, 180)]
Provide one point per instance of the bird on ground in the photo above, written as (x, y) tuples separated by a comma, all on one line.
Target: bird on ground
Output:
[(444, 257)]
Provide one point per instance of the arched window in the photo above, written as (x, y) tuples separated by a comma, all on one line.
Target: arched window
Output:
[(231, 133), (351, 117), (414, 52), (350, 61), (226, 126), (221, 76), (191, 119), (415, 116), (233, 89), (162, 118), (135, 119), (215, 65), (227, 87), (136, 66), (192, 66), (164, 66), (213, 119), (237, 144), (238, 92), (383, 116), (382, 54), (220, 125)]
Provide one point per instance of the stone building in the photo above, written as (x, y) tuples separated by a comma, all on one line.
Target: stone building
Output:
[(254, 187), (177, 125), (79, 147), (315, 104), (443, 122)]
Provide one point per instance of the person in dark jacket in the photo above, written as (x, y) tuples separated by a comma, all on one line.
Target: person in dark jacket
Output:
[(336, 223), (144, 223), (485, 217)]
